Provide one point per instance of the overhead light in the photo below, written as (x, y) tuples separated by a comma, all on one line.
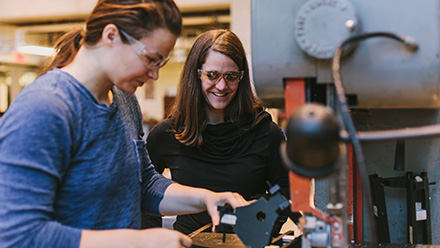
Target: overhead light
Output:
[(36, 50)]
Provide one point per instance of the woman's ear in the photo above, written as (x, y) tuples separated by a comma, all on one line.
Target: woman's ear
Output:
[(110, 34)]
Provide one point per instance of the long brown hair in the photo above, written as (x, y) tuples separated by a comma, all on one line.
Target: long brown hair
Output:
[(188, 114), (138, 18)]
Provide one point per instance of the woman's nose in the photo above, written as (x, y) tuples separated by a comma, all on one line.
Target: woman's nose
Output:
[(221, 83), (153, 73)]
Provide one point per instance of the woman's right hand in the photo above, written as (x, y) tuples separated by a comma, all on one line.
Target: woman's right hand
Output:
[(164, 238), (146, 238)]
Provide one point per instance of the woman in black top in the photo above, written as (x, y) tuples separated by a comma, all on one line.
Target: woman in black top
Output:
[(218, 135)]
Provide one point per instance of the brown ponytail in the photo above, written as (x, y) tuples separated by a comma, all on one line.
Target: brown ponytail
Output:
[(138, 18)]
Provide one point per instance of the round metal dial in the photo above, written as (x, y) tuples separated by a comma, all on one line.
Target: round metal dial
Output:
[(322, 25)]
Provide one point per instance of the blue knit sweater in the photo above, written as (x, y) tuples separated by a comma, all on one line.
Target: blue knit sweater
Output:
[(69, 163)]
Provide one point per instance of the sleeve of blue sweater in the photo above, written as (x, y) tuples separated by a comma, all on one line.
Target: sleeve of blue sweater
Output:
[(34, 138)]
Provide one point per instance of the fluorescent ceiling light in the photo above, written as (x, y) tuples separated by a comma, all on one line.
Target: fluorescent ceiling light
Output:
[(36, 50)]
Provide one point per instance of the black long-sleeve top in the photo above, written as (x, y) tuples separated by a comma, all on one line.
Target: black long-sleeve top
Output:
[(233, 159)]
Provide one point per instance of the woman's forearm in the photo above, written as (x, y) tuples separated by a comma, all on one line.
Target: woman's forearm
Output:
[(180, 199)]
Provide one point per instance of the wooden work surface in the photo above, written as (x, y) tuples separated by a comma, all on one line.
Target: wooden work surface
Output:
[(215, 240)]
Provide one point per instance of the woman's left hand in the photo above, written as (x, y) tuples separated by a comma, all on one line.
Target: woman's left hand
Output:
[(214, 200)]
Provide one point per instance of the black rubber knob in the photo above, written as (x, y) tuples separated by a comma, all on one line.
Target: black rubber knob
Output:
[(312, 147)]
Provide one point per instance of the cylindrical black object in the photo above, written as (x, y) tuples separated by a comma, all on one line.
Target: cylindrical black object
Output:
[(312, 146), (399, 157)]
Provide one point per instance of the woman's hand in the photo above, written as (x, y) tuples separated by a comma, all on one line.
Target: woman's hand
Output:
[(162, 237), (214, 200), (146, 238)]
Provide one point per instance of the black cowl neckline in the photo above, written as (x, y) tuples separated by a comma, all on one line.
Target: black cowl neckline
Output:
[(228, 139)]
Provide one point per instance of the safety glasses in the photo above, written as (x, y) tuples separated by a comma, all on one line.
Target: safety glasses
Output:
[(147, 57), (231, 77)]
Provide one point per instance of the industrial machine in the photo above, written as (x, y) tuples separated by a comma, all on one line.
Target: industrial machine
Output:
[(374, 68), (297, 39), (360, 85)]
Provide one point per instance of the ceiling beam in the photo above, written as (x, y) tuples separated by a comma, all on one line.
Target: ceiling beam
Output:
[(29, 11)]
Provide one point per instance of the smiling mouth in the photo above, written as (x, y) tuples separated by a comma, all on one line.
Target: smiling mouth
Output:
[(218, 94)]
